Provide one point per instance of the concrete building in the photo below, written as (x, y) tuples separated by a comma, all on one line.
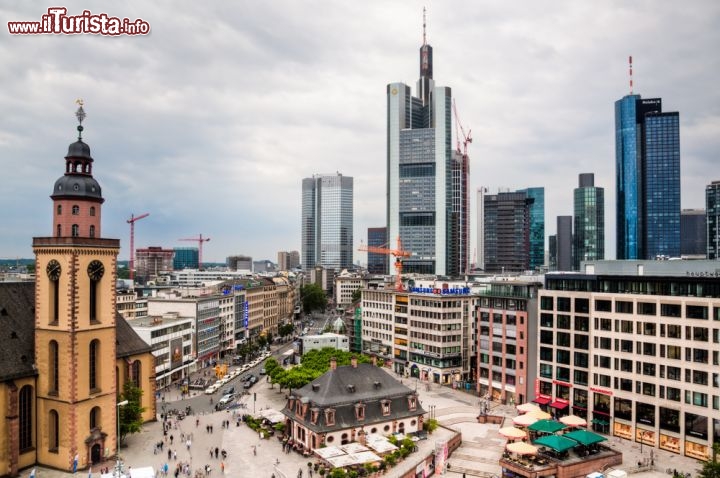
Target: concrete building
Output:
[(589, 221), (506, 345), (634, 347), (240, 263), (327, 340), (288, 260), (346, 283), (150, 262)]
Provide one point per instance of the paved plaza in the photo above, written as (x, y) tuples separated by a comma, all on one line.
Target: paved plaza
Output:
[(248, 455)]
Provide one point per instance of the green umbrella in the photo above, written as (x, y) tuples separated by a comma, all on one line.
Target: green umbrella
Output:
[(547, 426), (585, 437), (556, 442)]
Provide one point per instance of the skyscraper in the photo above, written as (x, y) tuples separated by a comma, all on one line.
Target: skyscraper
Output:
[(327, 221), (537, 226), (507, 231), (712, 214), (564, 243), (460, 223), (589, 205), (377, 263), (647, 171), (693, 233), (419, 171)]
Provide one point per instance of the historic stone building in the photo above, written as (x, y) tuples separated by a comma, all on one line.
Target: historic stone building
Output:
[(66, 352)]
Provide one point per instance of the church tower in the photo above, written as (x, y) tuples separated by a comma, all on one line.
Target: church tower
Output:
[(75, 314)]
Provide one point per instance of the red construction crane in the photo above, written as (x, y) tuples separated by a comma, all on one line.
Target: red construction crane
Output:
[(399, 253), (200, 241), (466, 138), (132, 222)]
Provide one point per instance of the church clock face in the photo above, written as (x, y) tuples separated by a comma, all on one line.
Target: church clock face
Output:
[(53, 270), (95, 270)]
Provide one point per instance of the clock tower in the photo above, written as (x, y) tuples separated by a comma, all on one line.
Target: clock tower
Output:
[(75, 314)]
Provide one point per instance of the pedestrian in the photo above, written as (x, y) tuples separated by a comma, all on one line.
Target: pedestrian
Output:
[(211, 453), (174, 455), (299, 475), (171, 439), (254, 450), (217, 452), (169, 453), (197, 422), (222, 467)]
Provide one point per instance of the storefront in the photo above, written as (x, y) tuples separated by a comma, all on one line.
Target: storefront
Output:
[(669, 443), (622, 430), (696, 450)]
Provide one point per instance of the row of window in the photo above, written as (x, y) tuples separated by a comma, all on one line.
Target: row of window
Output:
[(75, 210), (75, 231), (564, 304)]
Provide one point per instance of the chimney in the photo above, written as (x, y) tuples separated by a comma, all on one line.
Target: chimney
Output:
[(353, 361), (333, 363)]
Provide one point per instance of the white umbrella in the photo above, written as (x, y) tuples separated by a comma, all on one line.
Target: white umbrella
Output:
[(527, 407), (512, 432), (524, 420), (573, 421)]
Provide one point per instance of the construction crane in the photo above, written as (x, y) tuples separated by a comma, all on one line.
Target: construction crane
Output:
[(399, 253), (459, 130), (132, 222), (200, 241)]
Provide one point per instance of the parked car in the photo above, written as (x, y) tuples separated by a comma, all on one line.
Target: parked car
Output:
[(262, 371), (229, 390)]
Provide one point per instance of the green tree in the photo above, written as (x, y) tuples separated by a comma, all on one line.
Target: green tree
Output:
[(711, 468), (286, 329), (313, 298), (262, 341), (357, 294), (131, 420)]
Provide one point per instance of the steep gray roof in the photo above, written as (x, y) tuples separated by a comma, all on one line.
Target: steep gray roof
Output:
[(17, 330), (127, 340)]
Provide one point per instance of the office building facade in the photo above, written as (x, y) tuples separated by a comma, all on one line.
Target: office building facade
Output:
[(712, 217), (507, 231), (589, 221), (564, 244), (634, 347), (537, 227), (419, 172), (693, 234), (647, 171), (327, 221), (288, 260), (378, 263), (185, 258)]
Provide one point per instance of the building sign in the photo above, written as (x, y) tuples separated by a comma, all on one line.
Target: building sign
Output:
[(444, 291), (564, 384), (176, 353), (246, 314), (601, 390)]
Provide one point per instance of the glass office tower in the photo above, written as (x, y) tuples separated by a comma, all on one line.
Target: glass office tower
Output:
[(537, 227), (712, 217), (647, 171), (327, 221), (419, 173), (378, 263), (589, 221)]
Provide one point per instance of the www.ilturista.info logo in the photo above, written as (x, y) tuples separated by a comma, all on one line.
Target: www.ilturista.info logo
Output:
[(58, 22)]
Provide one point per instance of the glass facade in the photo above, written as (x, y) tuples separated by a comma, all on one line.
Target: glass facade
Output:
[(589, 223), (327, 221), (661, 176), (507, 232), (185, 258), (712, 214), (627, 179), (537, 227), (378, 263)]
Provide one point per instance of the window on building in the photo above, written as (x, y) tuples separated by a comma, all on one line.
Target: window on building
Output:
[(53, 431), (59, 209), (582, 306), (75, 210), (546, 303), (25, 417), (580, 359), (563, 304), (92, 210), (95, 418), (647, 308), (645, 413), (670, 310), (75, 230), (330, 417), (623, 408), (669, 419), (93, 365), (623, 307), (563, 357), (92, 231), (696, 312), (603, 305)]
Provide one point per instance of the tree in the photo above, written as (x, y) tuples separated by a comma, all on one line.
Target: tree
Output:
[(313, 298), (357, 294), (711, 468), (262, 341), (131, 420), (286, 329)]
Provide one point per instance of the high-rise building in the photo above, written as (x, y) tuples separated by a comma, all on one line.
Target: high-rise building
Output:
[(589, 205), (647, 170), (712, 215), (288, 260), (186, 258), (460, 218), (537, 226), (507, 231), (552, 252), (564, 243), (419, 172), (377, 263), (693, 234), (327, 221), (479, 255)]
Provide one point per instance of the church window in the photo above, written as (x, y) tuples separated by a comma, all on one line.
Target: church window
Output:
[(53, 431), (26, 414), (53, 368), (93, 365), (95, 417)]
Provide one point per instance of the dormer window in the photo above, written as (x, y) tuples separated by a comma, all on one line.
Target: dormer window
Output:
[(330, 417), (385, 406), (412, 403), (360, 411)]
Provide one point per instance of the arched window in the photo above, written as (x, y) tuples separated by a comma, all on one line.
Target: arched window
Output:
[(59, 230), (136, 373), (92, 231), (95, 418), (93, 365), (92, 210), (26, 414), (53, 431), (59, 209), (53, 368), (75, 210), (75, 230)]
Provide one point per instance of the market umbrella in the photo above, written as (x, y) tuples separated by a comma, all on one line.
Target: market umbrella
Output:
[(524, 420), (585, 437), (573, 421), (512, 432), (556, 442), (546, 426), (527, 407), (521, 448), (539, 414)]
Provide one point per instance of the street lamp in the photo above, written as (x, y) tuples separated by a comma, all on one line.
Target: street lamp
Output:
[(117, 457)]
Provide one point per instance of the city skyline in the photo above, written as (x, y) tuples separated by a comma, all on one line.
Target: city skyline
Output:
[(209, 122)]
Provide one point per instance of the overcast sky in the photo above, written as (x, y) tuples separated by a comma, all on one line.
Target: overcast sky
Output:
[(210, 122)]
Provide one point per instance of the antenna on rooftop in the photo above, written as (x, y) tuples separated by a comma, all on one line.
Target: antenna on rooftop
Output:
[(631, 79), (424, 37)]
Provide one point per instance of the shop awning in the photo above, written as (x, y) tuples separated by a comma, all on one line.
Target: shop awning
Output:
[(598, 421), (542, 400), (559, 405)]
